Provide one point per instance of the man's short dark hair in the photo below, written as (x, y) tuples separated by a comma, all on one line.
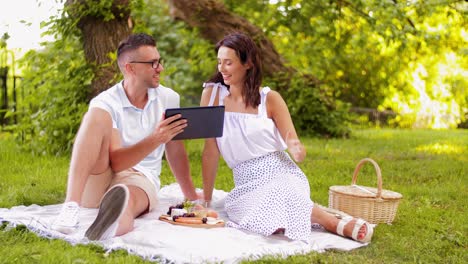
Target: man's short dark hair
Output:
[(135, 41)]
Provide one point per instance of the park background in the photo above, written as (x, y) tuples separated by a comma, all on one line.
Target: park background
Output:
[(385, 79)]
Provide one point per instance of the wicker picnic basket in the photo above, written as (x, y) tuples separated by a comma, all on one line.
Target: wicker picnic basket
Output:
[(374, 205)]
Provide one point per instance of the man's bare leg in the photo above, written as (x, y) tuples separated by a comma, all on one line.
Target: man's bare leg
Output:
[(137, 204), (90, 156), (90, 152), (118, 209)]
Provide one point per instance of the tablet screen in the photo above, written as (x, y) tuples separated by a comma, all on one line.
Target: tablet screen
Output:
[(202, 122)]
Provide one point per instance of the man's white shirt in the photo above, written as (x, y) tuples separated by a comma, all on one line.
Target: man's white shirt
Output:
[(135, 124)]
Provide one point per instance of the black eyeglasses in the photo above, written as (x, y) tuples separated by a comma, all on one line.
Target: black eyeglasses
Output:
[(154, 64)]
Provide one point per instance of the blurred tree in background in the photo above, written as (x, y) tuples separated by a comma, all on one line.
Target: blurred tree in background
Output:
[(103, 24), (407, 57)]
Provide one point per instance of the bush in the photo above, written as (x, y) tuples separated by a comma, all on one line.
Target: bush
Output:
[(56, 84), (315, 110)]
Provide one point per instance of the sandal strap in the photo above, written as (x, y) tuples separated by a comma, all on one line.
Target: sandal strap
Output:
[(357, 226), (341, 225)]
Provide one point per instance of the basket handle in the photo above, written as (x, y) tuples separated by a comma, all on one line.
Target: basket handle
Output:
[(377, 170)]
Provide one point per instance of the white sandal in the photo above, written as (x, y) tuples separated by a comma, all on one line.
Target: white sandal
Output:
[(357, 226)]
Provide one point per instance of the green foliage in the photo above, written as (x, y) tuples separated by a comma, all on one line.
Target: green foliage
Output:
[(74, 11), (409, 57), (103, 9), (313, 108), (191, 61), (3, 40), (56, 83), (188, 60), (433, 92), (56, 79)]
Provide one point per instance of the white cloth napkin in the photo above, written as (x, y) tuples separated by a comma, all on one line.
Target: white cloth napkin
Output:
[(156, 240)]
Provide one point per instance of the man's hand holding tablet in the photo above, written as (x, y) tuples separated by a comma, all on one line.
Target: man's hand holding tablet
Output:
[(169, 127)]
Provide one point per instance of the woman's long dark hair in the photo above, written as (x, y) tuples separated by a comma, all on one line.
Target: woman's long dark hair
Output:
[(247, 52)]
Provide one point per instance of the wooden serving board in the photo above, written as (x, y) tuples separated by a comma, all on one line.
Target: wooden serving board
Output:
[(162, 218)]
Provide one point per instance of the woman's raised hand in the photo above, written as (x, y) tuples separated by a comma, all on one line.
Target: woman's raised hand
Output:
[(295, 148)]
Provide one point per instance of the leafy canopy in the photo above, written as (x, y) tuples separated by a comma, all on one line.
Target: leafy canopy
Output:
[(405, 56)]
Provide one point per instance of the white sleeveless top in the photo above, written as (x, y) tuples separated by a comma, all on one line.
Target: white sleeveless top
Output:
[(246, 136)]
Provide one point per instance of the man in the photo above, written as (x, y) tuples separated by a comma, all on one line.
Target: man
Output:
[(116, 158)]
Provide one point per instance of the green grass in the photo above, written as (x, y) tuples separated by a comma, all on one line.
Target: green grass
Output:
[(430, 169)]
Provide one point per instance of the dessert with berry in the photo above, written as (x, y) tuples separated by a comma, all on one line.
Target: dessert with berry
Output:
[(192, 214)]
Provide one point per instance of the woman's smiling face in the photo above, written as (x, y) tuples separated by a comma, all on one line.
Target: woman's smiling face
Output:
[(231, 68)]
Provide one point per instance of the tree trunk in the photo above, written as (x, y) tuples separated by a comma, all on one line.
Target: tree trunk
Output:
[(101, 37), (214, 22)]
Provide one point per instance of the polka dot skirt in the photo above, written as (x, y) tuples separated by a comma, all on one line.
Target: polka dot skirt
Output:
[(271, 192)]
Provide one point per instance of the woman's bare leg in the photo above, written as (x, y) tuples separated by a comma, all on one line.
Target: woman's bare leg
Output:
[(330, 223)]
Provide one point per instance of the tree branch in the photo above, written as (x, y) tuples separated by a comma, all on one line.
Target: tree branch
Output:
[(214, 21), (407, 18)]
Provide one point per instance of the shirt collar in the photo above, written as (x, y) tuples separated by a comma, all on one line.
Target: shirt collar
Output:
[(152, 95)]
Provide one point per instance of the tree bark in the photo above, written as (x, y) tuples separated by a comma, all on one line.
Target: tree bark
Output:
[(101, 37), (214, 22)]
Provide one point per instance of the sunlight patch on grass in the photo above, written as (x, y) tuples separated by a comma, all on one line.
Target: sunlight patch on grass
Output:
[(440, 148), (333, 150)]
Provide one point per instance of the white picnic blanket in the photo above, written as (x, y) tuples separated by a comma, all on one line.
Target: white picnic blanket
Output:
[(156, 240)]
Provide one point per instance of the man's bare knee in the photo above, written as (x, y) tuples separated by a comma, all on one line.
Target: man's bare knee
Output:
[(96, 117)]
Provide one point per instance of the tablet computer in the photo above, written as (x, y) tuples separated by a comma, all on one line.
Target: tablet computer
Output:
[(202, 122)]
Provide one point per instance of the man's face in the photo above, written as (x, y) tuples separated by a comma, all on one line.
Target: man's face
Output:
[(143, 61)]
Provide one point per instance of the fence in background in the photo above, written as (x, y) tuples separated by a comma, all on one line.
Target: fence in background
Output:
[(10, 91)]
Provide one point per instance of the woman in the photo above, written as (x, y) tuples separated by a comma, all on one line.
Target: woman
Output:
[(271, 192)]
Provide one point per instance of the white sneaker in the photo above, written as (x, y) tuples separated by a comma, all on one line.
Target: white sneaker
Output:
[(67, 221), (113, 204)]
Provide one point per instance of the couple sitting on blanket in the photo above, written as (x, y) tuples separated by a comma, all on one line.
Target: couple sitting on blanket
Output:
[(116, 159)]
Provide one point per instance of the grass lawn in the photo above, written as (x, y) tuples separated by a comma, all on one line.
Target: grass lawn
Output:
[(430, 169)]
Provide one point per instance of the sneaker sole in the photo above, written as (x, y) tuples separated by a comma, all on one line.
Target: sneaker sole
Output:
[(110, 209)]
